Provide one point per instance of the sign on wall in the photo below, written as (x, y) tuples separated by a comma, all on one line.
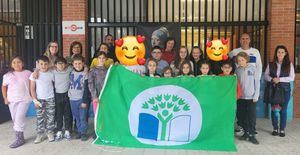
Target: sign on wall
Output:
[(73, 27)]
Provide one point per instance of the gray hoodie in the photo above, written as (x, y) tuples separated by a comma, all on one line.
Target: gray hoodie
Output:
[(249, 81)]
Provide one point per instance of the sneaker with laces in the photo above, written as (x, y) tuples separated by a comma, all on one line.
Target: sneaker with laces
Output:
[(50, 137), (253, 140), (67, 135), (58, 136), (39, 138)]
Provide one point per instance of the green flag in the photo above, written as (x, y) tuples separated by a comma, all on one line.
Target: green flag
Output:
[(180, 113)]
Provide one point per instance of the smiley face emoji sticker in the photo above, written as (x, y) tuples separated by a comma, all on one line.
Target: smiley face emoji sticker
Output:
[(217, 50), (130, 50)]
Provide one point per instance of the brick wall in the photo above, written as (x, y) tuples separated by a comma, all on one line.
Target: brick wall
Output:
[(297, 97), (74, 10), (281, 29)]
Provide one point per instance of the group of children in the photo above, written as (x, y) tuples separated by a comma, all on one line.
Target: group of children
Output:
[(61, 94), (248, 84)]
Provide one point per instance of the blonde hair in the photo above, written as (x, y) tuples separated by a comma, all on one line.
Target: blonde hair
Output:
[(47, 52), (243, 55)]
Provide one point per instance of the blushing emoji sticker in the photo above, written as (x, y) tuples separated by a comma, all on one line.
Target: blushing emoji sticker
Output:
[(130, 50)]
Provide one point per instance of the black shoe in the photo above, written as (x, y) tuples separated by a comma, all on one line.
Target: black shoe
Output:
[(275, 133), (237, 130), (94, 136), (282, 133), (255, 132), (244, 137), (84, 137), (253, 140), (77, 136)]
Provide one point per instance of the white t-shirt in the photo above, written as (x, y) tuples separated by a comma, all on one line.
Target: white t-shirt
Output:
[(44, 85), (18, 86)]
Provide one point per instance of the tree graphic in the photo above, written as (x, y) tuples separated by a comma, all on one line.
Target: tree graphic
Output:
[(166, 106)]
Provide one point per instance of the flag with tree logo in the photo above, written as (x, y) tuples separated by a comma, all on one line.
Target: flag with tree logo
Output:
[(180, 113)]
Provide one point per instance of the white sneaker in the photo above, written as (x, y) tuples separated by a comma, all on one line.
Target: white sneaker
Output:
[(39, 138), (50, 137), (67, 135), (58, 136)]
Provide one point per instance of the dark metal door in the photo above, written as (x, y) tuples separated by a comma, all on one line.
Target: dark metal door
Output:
[(26, 27)]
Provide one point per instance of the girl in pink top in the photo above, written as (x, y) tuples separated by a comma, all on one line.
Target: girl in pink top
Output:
[(15, 91)]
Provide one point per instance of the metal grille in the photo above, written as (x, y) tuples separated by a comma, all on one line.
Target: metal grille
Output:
[(41, 23), (200, 20), (9, 16), (26, 28)]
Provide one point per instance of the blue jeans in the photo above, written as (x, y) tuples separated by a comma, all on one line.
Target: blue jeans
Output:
[(79, 114), (283, 111)]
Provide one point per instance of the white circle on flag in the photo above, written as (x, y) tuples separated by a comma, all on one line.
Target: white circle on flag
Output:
[(165, 115)]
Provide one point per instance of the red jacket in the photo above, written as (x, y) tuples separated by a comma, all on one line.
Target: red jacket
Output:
[(169, 56)]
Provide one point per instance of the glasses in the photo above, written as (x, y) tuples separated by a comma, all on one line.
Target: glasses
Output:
[(54, 46)]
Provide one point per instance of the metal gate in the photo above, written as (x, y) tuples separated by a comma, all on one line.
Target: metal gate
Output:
[(26, 27), (200, 20)]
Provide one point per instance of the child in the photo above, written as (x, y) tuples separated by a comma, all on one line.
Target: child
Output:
[(204, 68), (78, 94), (167, 72), (96, 80), (62, 102), (246, 107), (226, 68), (156, 54), (186, 69), (196, 57), (151, 68), (182, 55), (15, 92), (42, 93), (108, 62)]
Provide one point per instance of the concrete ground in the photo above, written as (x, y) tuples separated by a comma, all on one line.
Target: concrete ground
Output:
[(268, 144)]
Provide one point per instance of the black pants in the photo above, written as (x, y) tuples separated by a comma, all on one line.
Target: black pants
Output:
[(63, 111), (246, 115)]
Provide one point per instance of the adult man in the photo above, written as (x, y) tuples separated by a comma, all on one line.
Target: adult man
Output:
[(109, 40), (253, 53)]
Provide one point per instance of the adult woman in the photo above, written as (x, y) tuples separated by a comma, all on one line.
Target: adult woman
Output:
[(75, 48), (182, 55), (168, 53), (52, 52), (280, 71)]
